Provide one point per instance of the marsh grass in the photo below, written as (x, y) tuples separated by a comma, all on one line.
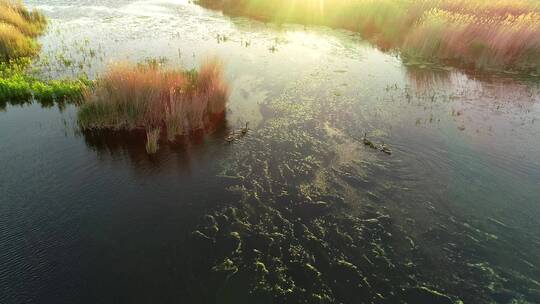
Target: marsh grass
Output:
[(18, 28), (14, 44), (489, 39), (484, 34), (129, 97)]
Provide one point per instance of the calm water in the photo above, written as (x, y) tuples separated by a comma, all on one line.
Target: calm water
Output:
[(91, 218)]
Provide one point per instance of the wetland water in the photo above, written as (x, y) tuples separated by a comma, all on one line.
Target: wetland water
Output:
[(299, 210)]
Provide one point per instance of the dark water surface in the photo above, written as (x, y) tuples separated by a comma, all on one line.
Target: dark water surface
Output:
[(297, 211)]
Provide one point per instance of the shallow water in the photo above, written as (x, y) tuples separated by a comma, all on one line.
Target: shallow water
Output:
[(91, 218)]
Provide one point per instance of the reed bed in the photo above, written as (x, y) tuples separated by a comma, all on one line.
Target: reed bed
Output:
[(18, 29), (498, 41), (484, 34), (160, 101)]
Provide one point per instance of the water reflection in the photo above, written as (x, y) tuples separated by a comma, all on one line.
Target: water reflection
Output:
[(44, 103), (185, 153)]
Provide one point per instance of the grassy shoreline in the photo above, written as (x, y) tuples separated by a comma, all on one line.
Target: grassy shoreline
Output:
[(18, 29), (489, 35)]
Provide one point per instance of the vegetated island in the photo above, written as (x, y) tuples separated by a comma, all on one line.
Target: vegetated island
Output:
[(159, 101), (489, 35)]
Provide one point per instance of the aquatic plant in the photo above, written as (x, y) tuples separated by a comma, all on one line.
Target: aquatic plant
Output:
[(18, 85), (18, 28), (485, 34), (19, 89), (149, 97)]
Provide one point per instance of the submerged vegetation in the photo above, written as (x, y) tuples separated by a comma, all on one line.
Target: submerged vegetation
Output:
[(18, 29), (484, 34), (130, 97), (312, 218)]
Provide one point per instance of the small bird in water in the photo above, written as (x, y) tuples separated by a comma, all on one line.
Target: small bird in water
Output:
[(230, 137), (245, 129), (234, 135), (384, 148), (368, 142)]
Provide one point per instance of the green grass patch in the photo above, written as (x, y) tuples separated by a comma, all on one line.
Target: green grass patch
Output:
[(19, 86)]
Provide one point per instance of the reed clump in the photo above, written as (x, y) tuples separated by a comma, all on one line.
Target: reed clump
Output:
[(160, 101), (484, 34), (18, 29), (152, 140)]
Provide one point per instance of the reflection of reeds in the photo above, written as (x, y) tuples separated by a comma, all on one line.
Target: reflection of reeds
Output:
[(130, 97), (488, 34), (18, 27)]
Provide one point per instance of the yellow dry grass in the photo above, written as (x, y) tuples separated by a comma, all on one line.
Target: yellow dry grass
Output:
[(18, 28)]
